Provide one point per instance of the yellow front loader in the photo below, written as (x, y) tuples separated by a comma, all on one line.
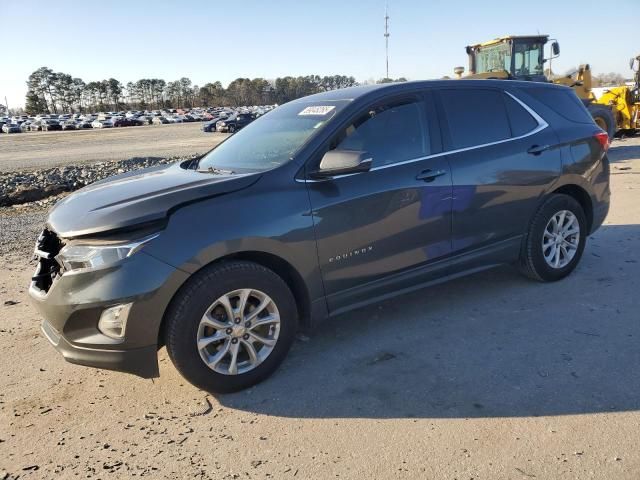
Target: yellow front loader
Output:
[(624, 101), (523, 58)]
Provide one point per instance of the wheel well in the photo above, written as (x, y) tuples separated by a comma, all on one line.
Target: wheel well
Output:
[(279, 266), (287, 272), (582, 197)]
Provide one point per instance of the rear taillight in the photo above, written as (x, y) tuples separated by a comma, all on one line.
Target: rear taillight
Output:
[(603, 139)]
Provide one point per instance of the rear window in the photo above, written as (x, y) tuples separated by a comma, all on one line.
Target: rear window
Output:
[(521, 121), (475, 117), (564, 102)]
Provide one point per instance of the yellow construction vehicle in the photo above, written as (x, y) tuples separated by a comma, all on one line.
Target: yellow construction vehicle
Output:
[(523, 58), (624, 101)]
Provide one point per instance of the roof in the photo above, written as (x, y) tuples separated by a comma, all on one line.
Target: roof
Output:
[(356, 93), (508, 37)]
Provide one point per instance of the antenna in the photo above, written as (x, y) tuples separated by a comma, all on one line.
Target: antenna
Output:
[(386, 35)]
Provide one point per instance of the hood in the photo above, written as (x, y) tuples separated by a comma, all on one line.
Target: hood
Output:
[(137, 197)]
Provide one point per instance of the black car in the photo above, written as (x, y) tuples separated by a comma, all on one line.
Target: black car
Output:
[(329, 203), (210, 125), (49, 125), (234, 123), (126, 122)]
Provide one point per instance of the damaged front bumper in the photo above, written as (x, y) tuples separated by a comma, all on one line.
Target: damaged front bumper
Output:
[(72, 304)]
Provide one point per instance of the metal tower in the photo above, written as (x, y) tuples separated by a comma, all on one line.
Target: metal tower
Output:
[(386, 36)]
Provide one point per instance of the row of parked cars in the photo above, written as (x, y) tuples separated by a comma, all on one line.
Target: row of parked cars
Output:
[(214, 118)]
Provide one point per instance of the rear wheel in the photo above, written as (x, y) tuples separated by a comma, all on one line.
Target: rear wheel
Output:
[(603, 116), (555, 241), (231, 326)]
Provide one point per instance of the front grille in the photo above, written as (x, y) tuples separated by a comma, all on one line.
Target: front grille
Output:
[(48, 246)]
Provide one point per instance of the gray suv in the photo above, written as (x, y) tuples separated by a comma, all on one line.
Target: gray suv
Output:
[(325, 204)]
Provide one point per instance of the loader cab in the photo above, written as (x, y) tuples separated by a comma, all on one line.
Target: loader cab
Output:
[(514, 57)]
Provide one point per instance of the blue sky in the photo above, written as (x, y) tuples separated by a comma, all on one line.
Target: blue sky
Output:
[(209, 40)]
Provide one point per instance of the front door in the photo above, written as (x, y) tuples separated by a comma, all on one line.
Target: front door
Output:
[(377, 231)]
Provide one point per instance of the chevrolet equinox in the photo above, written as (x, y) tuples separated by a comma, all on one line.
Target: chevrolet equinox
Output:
[(324, 204)]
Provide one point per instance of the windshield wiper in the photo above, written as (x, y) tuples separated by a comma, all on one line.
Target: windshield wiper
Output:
[(217, 171)]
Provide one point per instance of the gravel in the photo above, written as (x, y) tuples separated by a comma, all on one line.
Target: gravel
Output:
[(29, 186), (27, 196), (19, 229)]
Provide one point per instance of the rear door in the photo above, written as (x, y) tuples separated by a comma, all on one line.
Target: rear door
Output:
[(376, 230), (503, 156)]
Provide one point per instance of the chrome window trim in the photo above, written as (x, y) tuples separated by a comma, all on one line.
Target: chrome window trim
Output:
[(542, 124)]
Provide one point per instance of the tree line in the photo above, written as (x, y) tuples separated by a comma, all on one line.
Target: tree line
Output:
[(59, 92)]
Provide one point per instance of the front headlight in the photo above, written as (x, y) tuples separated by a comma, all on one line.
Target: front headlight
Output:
[(76, 257), (222, 124)]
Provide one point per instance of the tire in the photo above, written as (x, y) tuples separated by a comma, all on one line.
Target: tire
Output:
[(184, 326), (232, 129), (603, 116), (532, 255)]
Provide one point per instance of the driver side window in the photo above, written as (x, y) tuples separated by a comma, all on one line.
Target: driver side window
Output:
[(389, 133)]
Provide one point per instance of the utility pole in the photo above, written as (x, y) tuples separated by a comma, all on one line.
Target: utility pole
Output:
[(386, 36)]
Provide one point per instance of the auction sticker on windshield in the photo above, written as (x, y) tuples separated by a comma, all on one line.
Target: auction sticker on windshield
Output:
[(317, 110)]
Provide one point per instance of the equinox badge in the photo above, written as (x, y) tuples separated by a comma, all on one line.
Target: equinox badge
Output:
[(352, 253)]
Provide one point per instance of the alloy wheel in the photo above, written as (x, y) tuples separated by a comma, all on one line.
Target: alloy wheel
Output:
[(238, 331), (561, 239)]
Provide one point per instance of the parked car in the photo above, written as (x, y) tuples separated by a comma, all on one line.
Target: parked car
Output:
[(69, 125), (234, 123), (35, 126), (125, 122), (210, 126), (82, 124), (25, 126), (105, 123), (11, 128), (326, 204), (50, 124)]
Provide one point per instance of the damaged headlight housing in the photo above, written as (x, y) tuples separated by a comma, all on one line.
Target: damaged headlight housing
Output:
[(76, 257)]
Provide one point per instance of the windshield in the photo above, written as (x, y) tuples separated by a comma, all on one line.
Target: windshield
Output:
[(529, 58), (493, 58), (272, 139)]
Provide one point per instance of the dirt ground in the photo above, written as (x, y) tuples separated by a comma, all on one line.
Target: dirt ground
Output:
[(488, 377), (32, 150)]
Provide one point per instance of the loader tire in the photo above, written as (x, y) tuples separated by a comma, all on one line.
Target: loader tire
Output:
[(603, 116)]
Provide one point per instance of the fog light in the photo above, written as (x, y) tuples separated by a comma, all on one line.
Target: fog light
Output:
[(113, 320)]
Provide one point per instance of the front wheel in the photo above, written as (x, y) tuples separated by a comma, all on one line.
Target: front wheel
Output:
[(555, 241), (231, 326)]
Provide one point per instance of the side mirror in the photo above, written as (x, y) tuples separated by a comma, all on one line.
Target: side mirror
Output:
[(342, 162), (555, 48)]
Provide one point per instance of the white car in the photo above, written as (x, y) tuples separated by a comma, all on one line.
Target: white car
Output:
[(102, 123)]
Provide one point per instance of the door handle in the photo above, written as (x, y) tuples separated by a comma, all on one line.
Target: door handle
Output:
[(538, 149), (430, 175)]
